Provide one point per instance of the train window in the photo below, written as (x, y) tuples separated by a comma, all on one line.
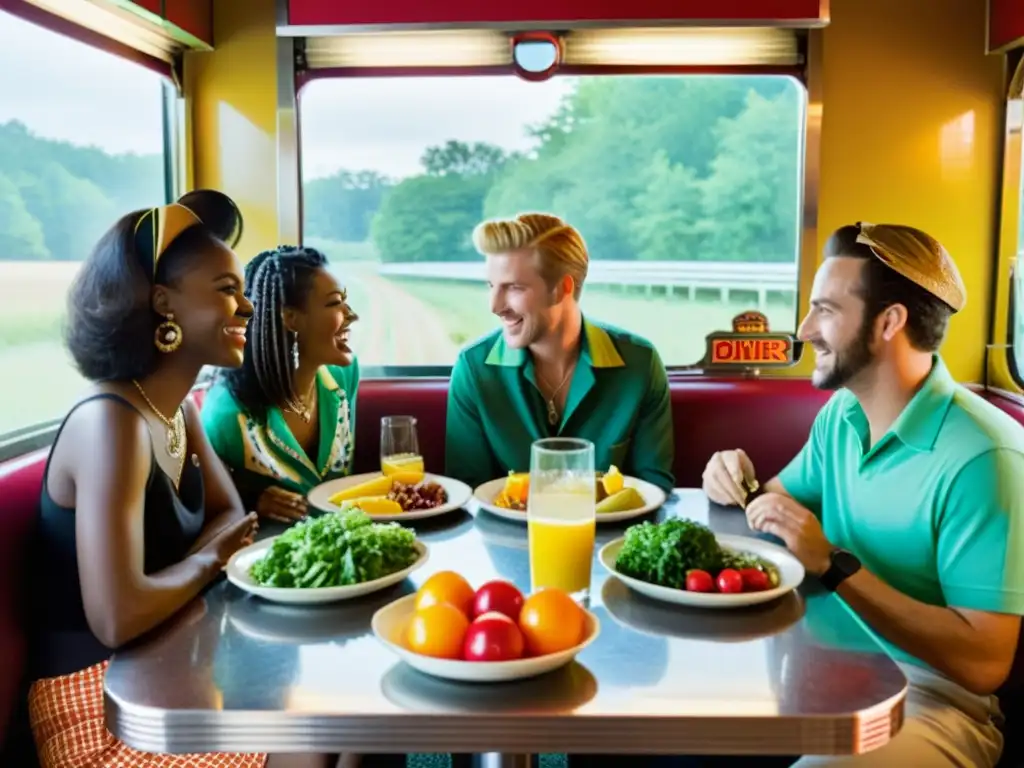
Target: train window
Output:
[(686, 188), (81, 143)]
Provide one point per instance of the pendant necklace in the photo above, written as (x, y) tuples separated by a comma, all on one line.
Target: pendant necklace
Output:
[(303, 408), (175, 430), (552, 411)]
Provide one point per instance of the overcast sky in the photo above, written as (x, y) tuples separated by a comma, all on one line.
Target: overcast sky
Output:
[(64, 90), (386, 123)]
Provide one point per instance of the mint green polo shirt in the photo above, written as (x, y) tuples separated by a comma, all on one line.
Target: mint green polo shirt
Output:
[(618, 399), (935, 508)]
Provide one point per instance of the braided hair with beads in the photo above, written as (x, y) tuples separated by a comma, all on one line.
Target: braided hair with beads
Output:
[(275, 279)]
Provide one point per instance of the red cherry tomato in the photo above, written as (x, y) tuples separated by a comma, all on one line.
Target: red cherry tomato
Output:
[(699, 581), (500, 596), (493, 637), (754, 580), (730, 581)]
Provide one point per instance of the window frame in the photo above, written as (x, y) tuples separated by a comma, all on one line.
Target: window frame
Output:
[(1001, 365), (31, 437), (1016, 374), (293, 76)]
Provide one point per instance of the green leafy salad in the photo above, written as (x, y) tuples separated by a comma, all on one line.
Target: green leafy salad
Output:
[(335, 550), (673, 552)]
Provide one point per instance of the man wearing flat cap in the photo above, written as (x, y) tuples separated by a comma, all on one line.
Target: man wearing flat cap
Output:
[(907, 498)]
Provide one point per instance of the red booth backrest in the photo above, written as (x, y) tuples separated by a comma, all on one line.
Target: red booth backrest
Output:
[(20, 484), (770, 419)]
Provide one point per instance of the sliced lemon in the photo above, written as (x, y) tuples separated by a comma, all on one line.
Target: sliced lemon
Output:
[(408, 477), (379, 486), (378, 505), (612, 481)]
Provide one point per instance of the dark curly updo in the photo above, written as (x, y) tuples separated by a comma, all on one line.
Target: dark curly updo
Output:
[(110, 319)]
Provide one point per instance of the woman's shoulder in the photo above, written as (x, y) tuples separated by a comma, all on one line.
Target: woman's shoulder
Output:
[(346, 377), (109, 418), (218, 402)]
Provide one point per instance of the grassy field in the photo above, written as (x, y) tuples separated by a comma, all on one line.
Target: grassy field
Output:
[(402, 322), (424, 322), (39, 380)]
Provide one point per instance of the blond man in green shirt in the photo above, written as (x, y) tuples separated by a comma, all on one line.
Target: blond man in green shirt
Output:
[(907, 500), (548, 370)]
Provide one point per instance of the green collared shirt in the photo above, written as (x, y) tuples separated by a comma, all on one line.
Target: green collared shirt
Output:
[(264, 453), (935, 507), (618, 399)]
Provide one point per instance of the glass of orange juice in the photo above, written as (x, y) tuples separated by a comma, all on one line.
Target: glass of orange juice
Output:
[(399, 446), (561, 514)]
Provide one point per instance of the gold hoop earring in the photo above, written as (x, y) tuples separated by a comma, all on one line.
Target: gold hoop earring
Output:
[(168, 335)]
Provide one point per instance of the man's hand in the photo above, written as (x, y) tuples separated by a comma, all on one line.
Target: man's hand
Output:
[(727, 477), (797, 526)]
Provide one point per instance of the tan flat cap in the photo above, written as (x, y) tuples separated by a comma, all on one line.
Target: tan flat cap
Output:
[(917, 256)]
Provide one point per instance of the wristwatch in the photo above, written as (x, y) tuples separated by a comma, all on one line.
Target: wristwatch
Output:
[(844, 565)]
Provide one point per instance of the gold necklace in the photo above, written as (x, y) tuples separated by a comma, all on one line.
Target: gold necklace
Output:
[(304, 407), (552, 411), (175, 427)]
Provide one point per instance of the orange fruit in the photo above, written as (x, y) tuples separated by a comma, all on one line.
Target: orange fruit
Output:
[(551, 621), (446, 587), (517, 486), (438, 630)]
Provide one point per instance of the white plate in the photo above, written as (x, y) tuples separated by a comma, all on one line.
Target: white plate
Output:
[(791, 575), (458, 492), (485, 494), (238, 574), (389, 625)]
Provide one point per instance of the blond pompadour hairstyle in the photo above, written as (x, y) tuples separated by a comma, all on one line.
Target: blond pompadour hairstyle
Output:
[(559, 246)]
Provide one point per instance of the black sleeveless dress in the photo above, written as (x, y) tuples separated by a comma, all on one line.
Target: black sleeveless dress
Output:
[(61, 641)]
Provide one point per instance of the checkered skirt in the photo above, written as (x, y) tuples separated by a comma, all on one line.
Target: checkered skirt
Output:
[(67, 722)]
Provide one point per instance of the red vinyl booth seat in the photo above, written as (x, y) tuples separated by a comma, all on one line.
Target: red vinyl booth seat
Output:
[(770, 419)]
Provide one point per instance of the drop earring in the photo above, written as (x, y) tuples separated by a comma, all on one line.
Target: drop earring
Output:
[(168, 335), (295, 351)]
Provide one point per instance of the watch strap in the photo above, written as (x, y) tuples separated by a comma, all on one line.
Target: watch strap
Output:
[(844, 565)]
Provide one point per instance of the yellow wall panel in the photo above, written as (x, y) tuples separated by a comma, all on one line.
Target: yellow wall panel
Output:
[(232, 100), (913, 123)]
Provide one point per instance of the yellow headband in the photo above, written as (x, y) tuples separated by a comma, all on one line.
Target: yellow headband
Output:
[(157, 228), (918, 257)]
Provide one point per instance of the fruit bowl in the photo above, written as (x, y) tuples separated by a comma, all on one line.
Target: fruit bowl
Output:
[(390, 622)]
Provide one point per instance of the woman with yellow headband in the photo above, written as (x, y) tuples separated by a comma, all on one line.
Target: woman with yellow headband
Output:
[(137, 514)]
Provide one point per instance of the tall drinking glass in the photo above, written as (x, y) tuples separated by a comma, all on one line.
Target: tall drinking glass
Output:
[(561, 514), (399, 445)]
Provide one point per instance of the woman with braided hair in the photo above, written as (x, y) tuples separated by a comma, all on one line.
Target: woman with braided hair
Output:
[(284, 422)]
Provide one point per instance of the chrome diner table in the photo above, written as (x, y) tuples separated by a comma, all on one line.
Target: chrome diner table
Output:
[(234, 673)]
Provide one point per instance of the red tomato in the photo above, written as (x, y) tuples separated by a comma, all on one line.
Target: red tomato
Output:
[(493, 637), (754, 580), (729, 581), (500, 596), (699, 581)]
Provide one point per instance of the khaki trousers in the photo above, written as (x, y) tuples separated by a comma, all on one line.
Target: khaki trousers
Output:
[(945, 726)]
